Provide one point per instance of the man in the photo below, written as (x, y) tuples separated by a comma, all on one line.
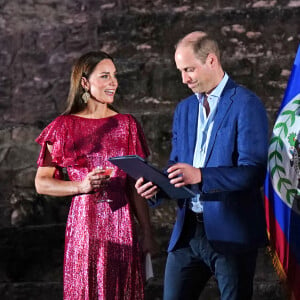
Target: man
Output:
[(219, 149)]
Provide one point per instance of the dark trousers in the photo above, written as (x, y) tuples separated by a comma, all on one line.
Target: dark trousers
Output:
[(194, 261)]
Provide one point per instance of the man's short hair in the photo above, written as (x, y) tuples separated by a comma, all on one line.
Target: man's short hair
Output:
[(202, 46)]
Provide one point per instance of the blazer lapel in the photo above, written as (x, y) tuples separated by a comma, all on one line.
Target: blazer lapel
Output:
[(223, 108), (193, 112)]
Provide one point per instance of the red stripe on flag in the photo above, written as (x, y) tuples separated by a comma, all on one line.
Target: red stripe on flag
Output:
[(286, 264)]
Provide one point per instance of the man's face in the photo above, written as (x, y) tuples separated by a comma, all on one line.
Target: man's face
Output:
[(195, 74)]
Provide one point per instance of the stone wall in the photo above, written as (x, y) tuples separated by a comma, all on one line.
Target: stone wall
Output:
[(41, 38)]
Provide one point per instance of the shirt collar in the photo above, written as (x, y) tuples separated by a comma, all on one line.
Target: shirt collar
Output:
[(217, 91)]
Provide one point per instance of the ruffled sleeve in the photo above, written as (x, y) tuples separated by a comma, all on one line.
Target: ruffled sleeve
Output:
[(54, 134), (137, 140)]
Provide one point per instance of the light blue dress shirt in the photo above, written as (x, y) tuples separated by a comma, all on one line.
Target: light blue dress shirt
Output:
[(205, 125)]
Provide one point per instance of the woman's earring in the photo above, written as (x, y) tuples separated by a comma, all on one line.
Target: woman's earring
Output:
[(86, 96)]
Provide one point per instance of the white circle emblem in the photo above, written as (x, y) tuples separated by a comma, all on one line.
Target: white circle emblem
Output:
[(284, 154)]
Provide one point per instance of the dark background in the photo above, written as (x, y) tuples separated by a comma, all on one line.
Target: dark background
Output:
[(39, 41)]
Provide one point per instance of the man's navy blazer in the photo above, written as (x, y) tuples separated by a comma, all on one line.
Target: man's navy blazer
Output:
[(234, 169)]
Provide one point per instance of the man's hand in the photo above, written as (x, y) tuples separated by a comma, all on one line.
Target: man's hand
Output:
[(182, 174), (146, 190)]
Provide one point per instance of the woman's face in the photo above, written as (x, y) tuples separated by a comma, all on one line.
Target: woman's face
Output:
[(102, 82)]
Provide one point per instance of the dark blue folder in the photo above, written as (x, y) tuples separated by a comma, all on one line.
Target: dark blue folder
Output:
[(136, 167)]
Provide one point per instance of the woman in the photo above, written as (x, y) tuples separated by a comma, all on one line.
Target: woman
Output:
[(103, 259)]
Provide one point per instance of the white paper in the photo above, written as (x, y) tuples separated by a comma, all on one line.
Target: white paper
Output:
[(148, 266)]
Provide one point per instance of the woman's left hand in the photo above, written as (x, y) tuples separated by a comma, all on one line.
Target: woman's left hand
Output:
[(149, 244)]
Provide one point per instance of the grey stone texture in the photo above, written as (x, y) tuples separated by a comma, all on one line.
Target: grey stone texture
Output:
[(39, 41)]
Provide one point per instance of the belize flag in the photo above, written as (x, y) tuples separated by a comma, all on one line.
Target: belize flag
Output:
[(282, 186)]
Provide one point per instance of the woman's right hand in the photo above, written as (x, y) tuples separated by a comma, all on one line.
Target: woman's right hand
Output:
[(92, 181)]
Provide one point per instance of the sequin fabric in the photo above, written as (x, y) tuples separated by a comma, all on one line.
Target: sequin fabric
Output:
[(103, 259)]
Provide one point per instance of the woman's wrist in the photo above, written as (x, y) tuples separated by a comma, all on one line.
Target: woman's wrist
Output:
[(78, 188)]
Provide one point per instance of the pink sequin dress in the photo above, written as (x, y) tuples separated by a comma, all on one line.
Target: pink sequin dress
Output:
[(103, 259)]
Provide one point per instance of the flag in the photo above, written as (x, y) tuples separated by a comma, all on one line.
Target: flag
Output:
[(282, 186)]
